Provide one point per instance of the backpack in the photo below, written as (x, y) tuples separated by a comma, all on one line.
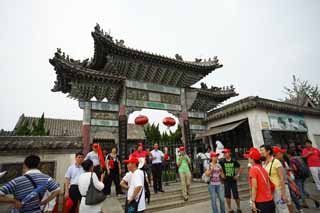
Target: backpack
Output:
[(303, 170)]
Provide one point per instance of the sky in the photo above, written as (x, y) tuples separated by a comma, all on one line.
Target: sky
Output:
[(260, 43)]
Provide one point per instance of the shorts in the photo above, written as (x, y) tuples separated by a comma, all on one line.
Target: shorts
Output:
[(266, 207), (231, 186)]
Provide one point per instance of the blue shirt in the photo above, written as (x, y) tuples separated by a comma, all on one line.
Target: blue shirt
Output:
[(21, 186), (94, 157), (73, 173)]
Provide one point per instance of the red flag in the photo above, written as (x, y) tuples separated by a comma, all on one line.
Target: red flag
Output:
[(101, 157)]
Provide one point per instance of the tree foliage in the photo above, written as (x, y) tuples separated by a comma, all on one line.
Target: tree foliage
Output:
[(37, 128), (300, 90), (153, 135), (23, 130)]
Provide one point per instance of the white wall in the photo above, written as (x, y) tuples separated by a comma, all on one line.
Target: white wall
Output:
[(255, 118), (313, 124), (63, 161)]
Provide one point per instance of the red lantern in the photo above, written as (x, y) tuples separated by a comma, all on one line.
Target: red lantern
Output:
[(169, 122), (141, 120)]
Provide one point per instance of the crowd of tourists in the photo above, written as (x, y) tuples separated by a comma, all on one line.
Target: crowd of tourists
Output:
[(276, 178)]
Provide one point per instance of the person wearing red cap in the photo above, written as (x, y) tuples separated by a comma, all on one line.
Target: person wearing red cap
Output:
[(215, 171), (141, 155), (274, 169), (136, 196), (313, 159), (229, 167), (261, 195), (93, 155), (184, 165)]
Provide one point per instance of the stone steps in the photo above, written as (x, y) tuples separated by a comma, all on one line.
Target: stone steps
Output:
[(172, 197)]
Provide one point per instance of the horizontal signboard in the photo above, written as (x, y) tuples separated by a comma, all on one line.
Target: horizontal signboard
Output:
[(197, 127), (153, 87), (97, 122), (103, 106), (153, 105), (196, 115)]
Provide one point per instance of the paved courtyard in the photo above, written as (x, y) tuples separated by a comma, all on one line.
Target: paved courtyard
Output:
[(205, 207)]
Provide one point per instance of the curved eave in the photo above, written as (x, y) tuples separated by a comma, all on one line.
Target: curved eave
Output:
[(103, 46), (67, 72), (229, 93)]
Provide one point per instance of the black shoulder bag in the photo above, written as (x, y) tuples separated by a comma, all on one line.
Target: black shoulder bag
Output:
[(94, 196), (132, 207)]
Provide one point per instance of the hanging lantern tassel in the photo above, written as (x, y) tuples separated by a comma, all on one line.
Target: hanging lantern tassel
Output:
[(169, 122)]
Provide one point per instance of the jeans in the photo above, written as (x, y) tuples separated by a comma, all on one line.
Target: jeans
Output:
[(216, 191), (300, 184)]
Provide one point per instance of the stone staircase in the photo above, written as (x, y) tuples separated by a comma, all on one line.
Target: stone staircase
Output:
[(172, 198)]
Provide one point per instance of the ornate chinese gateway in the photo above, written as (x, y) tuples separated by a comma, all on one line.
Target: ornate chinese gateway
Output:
[(130, 80)]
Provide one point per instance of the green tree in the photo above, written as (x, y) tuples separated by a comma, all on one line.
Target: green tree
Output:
[(152, 133), (38, 127), (24, 130), (300, 90)]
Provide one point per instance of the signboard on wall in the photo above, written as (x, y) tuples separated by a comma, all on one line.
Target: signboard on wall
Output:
[(287, 122)]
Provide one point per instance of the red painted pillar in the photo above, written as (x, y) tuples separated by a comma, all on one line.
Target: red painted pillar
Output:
[(86, 127)]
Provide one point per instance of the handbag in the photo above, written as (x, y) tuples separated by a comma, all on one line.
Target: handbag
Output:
[(206, 178), (94, 196), (132, 207)]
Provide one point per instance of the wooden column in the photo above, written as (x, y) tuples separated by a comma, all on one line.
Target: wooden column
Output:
[(123, 120)]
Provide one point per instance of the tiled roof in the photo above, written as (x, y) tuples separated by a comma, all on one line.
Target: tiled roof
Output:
[(64, 127), (34, 143), (57, 127)]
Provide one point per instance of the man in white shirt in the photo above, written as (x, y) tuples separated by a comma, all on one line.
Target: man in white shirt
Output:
[(135, 184), (93, 155), (156, 157), (71, 184)]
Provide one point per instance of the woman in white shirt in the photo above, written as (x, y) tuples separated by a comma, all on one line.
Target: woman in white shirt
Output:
[(83, 184)]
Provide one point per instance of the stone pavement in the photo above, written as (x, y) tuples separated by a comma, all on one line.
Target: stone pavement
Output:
[(205, 207)]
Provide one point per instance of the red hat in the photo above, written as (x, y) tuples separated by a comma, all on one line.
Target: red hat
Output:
[(213, 154), (132, 160), (140, 144), (226, 151), (181, 148), (277, 150), (253, 154), (68, 204), (95, 145)]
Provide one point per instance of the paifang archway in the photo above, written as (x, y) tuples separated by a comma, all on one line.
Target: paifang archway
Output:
[(131, 80)]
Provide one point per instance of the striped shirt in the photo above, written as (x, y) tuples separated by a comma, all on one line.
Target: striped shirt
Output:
[(21, 186)]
